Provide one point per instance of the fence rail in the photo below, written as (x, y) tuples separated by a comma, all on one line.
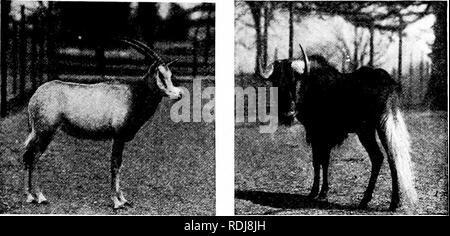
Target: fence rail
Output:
[(32, 57)]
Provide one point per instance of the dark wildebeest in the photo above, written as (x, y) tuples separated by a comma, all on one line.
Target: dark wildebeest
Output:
[(107, 110), (330, 105)]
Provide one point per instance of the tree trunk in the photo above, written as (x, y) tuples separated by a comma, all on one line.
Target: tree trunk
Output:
[(372, 38), (256, 14), (291, 30), (400, 46), (437, 86), (100, 59), (266, 33), (355, 55)]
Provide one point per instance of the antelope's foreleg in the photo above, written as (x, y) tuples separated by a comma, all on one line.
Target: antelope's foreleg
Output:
[(116, 163)]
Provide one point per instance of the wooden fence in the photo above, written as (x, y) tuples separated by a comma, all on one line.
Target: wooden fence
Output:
[(32, 57)]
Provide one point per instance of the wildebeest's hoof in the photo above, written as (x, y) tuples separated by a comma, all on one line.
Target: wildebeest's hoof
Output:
[(313, 194), (393, 206), (322, 198), (363, 205)]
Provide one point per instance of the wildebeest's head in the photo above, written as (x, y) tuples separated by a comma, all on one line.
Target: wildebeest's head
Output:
[(158, 76), (287, 75)]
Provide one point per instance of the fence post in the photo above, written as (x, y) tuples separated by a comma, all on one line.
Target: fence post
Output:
[(40, 59), (33, 72), (195, 59), (22, 52), (51, 62), (207, 40), (100, 59), (4, 18), (411, 96), (14, 61)]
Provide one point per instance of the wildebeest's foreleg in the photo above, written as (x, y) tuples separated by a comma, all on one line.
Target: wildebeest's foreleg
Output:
[(116, 163), (319, 153), (368, 140), (325, 163)]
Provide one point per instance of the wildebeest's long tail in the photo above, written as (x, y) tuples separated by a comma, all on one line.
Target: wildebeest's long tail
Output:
[(397, 146)]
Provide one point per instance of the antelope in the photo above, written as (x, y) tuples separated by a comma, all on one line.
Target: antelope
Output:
[(101, 111)]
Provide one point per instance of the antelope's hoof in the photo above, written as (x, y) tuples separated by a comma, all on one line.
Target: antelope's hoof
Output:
[(121, 205), (30, 199), (128, 204), (44, 202), (41, 199)]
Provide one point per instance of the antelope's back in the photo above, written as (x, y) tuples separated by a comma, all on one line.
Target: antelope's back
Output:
[(89, 106)]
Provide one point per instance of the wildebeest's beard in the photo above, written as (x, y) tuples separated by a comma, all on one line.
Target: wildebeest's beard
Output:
[(283, 78)]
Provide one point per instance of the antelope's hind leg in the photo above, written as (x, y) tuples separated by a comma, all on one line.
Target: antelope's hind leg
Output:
[(116, 163), (368, 140), (35, 146)]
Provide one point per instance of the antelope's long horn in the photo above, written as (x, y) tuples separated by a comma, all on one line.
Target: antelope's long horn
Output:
[(135, 46), (143, 48), (149, 50), (263, 72), (305, 58), (172, 61)]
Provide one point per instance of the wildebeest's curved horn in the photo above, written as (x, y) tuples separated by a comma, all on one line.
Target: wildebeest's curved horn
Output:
[(263, 72), (305, 58), (143, 48)]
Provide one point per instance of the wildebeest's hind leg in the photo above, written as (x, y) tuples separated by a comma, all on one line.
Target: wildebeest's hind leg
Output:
[(395, 197), (116, 162), (368, 140), (36, 144)]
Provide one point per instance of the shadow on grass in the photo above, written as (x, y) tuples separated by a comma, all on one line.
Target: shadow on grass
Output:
[(288, 201)]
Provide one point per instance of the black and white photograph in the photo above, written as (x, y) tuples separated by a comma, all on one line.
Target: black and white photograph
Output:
[(107, 108), (341, 108)]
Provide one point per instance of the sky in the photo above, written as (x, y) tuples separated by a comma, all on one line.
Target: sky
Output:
[(316, 33)]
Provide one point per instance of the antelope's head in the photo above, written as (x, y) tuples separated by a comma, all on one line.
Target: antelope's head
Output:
[(158, 76), (287, 75)]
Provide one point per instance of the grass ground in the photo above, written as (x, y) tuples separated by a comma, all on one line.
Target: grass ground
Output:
[(168, 169), (274, 172)]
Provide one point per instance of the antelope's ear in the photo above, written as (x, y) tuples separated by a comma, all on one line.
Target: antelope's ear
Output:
[(298, 66)]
